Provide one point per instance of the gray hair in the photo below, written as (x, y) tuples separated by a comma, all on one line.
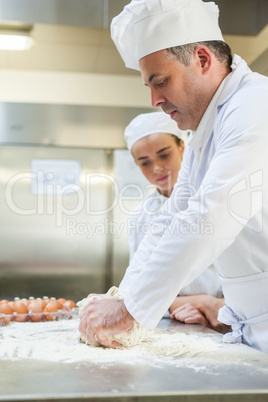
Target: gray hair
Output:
[(220, 49)]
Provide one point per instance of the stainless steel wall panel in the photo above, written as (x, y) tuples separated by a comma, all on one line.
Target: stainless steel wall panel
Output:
[(50, 239), (65, 125)]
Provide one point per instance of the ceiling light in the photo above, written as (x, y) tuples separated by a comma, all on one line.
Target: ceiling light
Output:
[(15, 37)]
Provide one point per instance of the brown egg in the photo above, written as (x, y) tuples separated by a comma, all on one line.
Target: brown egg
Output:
[(61, 300), (11, 303), (4, 301), (25, 301), (69, 305), (59, 304), (20, 311), (43, 302), (7, 311), (50, 310), (35, 310)]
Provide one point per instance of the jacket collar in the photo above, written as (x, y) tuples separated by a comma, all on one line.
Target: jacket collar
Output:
[(225, 91)]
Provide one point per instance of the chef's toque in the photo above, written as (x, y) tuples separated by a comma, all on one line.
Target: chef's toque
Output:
[(151, 123), (147, 26)]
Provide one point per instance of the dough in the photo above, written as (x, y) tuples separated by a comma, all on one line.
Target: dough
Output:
[(133, 336)]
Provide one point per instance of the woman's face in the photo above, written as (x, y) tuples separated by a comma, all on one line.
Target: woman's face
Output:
[(159, 158)]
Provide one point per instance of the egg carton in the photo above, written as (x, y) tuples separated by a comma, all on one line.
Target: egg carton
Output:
[(37, 317)]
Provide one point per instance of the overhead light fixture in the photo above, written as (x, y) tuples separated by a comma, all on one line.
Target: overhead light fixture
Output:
[(15, 36)]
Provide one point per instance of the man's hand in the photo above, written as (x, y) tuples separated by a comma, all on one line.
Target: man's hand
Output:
[(103, 317)]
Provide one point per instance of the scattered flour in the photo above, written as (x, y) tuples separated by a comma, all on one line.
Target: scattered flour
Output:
[(58, 341), (127, 339), (181, 347)]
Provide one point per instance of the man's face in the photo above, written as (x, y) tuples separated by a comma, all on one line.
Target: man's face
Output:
[(181, 91)]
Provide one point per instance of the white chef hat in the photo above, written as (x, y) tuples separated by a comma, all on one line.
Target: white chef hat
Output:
[(146, 26), (151, 123)]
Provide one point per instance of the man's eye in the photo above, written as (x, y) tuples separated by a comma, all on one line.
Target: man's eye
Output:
[(160, 84)]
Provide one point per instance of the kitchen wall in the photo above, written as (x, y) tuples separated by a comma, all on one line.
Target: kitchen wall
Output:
[(52, 198)]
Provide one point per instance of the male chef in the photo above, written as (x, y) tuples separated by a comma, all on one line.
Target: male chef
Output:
[(218, 211)]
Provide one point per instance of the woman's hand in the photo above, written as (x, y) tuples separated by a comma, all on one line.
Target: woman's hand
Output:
[(189, 315), (199, 309)]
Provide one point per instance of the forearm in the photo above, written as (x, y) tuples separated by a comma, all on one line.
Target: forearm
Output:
[(180, 301)]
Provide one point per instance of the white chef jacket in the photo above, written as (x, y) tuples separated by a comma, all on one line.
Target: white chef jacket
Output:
[(218, 210), (140, 222)]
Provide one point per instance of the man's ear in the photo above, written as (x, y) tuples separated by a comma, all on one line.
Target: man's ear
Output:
[(204, 56)]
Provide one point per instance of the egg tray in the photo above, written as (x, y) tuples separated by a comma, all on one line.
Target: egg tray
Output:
[(37, 317)]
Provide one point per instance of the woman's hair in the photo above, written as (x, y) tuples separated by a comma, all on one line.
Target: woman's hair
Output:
[(176, 139), (220, 49)]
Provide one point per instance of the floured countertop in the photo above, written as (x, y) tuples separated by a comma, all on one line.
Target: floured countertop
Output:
[(58, 341), (175, 357)]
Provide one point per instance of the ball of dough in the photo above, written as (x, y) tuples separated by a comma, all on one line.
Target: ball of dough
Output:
[(126, 339)]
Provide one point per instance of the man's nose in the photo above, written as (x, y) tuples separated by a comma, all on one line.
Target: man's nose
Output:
[(156, 98)]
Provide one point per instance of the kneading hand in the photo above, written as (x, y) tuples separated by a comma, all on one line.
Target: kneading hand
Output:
[(103, 317)]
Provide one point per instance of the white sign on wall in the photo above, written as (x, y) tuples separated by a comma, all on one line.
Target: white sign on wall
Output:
[(55, 176)]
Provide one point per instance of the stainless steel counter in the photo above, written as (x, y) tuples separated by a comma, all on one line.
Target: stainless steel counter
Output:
[(233, 373)]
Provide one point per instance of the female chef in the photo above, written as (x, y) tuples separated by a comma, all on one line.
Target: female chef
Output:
[(157, 147)]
